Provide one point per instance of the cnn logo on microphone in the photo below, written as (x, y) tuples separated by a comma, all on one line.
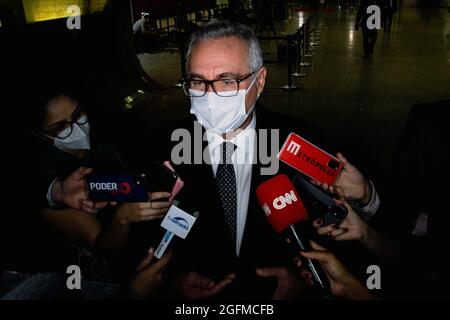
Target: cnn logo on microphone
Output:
[(280, 202)]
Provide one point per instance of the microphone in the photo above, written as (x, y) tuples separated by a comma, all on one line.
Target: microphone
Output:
[(283, 208), (176, 222)]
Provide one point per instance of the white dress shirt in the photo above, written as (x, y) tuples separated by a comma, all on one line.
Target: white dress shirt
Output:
[(242, 159)]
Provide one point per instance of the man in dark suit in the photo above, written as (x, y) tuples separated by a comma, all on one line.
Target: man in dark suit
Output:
[(389, 8), (210, 249), (231, 251), (422, 213), (364, 19)]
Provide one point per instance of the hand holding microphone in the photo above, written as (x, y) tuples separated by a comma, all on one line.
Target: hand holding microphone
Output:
[(284, 208), (149, 274), (343, 283), (191, 285)]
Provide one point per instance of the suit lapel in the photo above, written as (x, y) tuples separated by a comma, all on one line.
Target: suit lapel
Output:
[(256, 221), (207, 195)]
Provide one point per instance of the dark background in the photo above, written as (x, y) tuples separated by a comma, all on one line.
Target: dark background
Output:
[(100, 63)]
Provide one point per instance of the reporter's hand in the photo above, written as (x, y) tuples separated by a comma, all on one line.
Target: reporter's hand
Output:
[(352, 228), (73, 193), (194, 286), (289, 284), (343, 283), (149, 277), (350, 184), (145, 211)]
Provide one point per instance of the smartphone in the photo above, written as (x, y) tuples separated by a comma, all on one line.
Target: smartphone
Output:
[(318, 203), (117, 187), (179, 184), (310, 159), (162, 177)]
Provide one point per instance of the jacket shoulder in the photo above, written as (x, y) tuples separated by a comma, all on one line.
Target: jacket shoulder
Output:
[(434, 111), (287, 124)]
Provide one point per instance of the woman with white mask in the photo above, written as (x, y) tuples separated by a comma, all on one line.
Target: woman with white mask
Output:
[(64, 124), (62, 145)]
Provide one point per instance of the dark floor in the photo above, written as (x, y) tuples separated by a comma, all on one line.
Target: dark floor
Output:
[(362, 104)]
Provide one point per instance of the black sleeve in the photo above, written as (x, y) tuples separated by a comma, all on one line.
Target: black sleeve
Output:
[(420, 168)]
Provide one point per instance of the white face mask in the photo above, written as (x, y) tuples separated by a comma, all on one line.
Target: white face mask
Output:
[(84, 127), (221, 114), (78, 139)]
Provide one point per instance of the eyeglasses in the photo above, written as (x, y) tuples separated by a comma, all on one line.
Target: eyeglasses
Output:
[(58, 129), (222, 87)]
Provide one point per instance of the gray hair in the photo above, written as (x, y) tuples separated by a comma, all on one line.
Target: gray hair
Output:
[(217, 29)]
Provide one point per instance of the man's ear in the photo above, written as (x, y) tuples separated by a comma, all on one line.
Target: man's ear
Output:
[(261, 80)]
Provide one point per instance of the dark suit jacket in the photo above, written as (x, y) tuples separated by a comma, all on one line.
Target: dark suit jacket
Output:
[(421, 161), (208, 249), (420, 186)]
